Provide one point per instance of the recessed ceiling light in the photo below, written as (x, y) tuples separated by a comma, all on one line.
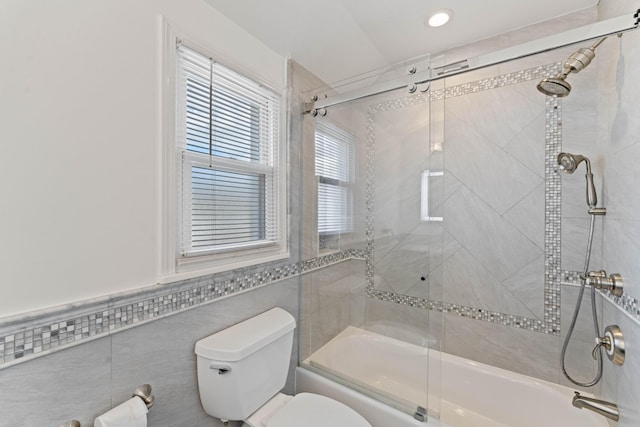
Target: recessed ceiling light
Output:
[(440, 17)]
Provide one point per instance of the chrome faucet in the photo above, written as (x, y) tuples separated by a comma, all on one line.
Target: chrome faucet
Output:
[(604, 408)]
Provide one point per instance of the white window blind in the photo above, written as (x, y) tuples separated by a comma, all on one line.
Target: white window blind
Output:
[(334, 149), (227, 141)]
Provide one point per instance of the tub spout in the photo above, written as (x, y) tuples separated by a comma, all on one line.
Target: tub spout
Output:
[(604, 408)]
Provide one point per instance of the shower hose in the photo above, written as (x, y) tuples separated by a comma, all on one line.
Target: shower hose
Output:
[(587, 258)]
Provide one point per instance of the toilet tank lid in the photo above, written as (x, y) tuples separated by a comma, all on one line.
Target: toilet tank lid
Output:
[(240, 340)]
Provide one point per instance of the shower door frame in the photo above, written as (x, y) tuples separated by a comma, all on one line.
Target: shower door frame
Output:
[(596, 30)]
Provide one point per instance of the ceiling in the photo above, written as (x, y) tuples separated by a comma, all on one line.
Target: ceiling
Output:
[(336, 39)]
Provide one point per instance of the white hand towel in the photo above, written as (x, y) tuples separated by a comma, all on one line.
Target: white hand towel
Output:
[(132, 413)]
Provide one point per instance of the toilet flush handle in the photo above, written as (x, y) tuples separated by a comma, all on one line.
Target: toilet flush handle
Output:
[(222, 369)]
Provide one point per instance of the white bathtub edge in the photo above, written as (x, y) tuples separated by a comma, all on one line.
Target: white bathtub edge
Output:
[(376, 413)]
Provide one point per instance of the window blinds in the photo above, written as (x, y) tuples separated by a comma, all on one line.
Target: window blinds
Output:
[(334, 150), (227, 141)]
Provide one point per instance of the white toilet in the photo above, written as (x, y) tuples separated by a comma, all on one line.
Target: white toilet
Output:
[(242, 369)]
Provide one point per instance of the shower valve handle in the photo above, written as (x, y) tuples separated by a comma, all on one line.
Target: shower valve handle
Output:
[(613, 344), (601, 342)]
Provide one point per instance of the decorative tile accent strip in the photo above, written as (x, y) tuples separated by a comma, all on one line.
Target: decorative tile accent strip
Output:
[(628, 303), (494, 82), (572, 277), (552, 211), (40, 335), (460, 310), (553, 140)]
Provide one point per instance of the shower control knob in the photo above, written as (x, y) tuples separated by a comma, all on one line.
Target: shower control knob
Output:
[(616, 284), (613, 343)]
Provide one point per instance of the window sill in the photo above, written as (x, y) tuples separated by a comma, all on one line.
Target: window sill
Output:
[(203, 268), (328, 251)]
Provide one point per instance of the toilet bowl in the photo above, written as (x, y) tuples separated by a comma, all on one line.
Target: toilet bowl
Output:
[(242, 369), (305, 409)]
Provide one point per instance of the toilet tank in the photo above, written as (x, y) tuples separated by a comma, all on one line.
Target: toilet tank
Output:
[(240, 368)]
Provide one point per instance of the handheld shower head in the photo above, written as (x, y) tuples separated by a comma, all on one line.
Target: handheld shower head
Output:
[(569, 163), (577, 62)]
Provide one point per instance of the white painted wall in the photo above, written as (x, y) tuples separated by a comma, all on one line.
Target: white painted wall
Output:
[(80, 175)]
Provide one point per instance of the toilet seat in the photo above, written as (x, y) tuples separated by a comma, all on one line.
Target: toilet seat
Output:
[(313, 410)]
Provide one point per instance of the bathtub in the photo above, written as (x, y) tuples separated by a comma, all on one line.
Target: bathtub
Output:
[(462, 393)]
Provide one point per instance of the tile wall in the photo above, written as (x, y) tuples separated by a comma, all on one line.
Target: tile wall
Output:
[(83, 381), (618, 134), (100, 371)]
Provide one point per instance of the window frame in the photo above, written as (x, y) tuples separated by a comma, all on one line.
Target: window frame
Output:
[(332, 130), (173, 265)]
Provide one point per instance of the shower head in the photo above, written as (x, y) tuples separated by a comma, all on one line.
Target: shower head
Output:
[(555, 86), (569, 163), (577, 62)]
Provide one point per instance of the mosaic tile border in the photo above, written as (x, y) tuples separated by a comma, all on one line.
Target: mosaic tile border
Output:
[(552, 210), (553, 190), (627, 303), (40, 335), (572, 277), (504, 319)]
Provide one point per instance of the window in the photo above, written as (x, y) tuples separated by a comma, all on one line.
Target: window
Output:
[(227, 141), (334, 169)]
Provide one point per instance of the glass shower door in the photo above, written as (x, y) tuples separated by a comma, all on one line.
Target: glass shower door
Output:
[(384, 351)]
